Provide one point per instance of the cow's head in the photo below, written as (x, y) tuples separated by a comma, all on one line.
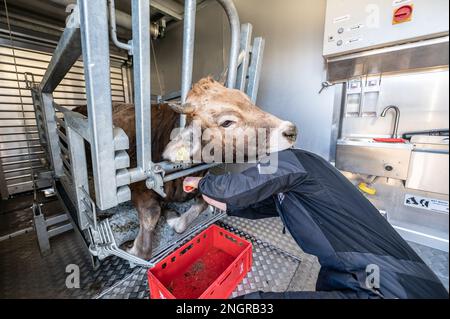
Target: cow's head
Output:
[(227, 121)]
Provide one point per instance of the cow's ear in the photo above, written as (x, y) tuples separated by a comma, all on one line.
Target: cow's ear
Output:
[(186, 108)]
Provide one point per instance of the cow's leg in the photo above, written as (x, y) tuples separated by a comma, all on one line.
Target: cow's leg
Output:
[(149, 211), (181, 223)]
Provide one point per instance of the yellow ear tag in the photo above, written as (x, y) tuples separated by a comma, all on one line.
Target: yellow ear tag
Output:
[(182, 155)]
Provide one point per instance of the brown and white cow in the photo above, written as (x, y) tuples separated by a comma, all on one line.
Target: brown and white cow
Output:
[(210, 106)]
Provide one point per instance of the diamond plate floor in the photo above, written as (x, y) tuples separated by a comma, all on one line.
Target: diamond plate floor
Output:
[(272, 271), (24, 273), (279, 265), (437, 260), (270, 230)]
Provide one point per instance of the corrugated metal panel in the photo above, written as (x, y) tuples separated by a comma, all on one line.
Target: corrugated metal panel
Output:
[(19, 139)]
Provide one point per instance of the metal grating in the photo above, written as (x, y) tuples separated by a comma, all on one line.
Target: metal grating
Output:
[(270, 229), (16, 127)]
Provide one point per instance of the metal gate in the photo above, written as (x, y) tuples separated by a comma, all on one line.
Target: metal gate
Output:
[(19, 140)]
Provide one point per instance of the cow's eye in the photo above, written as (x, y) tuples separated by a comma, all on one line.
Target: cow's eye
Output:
[(227, 124)]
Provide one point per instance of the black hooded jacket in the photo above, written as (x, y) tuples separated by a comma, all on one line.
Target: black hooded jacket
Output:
[(329, 218)]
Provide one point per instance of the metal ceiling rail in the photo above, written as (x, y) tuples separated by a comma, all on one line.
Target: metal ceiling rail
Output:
[(167, 7)]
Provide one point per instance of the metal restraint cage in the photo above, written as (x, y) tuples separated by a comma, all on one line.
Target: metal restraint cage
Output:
[(18, 129), (64, 136)]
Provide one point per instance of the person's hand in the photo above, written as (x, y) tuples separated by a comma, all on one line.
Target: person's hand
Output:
[(190, 184)]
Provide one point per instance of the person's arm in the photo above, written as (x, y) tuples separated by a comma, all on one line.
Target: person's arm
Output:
[(250, 187)]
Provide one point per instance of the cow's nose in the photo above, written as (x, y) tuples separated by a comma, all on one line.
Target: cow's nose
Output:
[(290, 132)]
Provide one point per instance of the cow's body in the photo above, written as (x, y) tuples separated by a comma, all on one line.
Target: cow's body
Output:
[(147, 202), (210, 106)]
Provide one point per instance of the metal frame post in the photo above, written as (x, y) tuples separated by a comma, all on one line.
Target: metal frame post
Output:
[(65, 55), (190, 12), (142, 83), (254, 72), (235, 28), (41, 230), (79, 174), (52, 136), (96, 58), (246, 42)]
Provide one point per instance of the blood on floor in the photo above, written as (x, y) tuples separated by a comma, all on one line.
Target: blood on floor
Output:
[(193, 282)]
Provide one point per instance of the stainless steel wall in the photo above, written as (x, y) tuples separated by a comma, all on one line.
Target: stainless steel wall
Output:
[(293, 67), (16, 127), (423, 99)]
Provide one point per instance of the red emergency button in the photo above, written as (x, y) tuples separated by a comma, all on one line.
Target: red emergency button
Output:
[(403, 14)]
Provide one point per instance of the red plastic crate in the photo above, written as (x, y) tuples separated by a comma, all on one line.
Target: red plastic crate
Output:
[(210, 266)]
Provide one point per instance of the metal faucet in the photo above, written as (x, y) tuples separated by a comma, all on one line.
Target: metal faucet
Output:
[(397, 118)]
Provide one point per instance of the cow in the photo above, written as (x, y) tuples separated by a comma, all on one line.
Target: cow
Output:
[(209, 106)]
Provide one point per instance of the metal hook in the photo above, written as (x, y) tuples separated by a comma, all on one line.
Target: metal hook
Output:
[(29, 84)]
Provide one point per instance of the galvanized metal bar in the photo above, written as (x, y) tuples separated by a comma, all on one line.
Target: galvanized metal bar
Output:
[(142, 85), (246, 42), (61, 136), (113, 28), (79, 173), (235, 28), (59, 230), (77, 122), (45, 101), (255, 68), (67, 174), (190, 171), (66, 54), (96, 57), (41, 229), (168, 167), (66, 162), (190, 11), (64, 150), (57, 219)]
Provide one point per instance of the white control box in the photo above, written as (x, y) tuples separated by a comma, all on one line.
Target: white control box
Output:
[(359, 25)]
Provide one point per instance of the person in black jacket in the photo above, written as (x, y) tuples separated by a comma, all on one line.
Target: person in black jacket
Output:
[(361, 254)]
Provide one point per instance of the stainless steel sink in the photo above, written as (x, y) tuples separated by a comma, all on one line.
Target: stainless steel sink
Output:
[(368, 157)]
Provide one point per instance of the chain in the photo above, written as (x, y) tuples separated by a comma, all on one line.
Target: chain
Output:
[(156, 68)]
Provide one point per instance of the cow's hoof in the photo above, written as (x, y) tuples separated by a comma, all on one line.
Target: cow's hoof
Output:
[(177, 223), (132, 251), (172, 218), (135, 252)]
